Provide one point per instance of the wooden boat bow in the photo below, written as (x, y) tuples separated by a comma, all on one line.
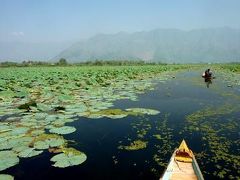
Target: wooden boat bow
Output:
[(182, 165)]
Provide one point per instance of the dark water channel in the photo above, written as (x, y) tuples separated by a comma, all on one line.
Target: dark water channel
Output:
[(100, 138)]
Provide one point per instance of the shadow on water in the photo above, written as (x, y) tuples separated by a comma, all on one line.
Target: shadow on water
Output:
[(100, 138), (208, 81)]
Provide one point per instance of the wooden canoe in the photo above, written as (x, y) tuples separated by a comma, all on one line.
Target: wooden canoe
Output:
[(182, 165)]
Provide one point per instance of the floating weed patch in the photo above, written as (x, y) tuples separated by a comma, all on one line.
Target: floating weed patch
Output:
[(165, 141), (135, 145), (201, 115), (215, 134), (157, 136)]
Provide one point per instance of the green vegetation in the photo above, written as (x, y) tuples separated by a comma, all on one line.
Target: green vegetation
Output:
[(36, 102), (213, 130), (63, 62), (135, 145), (233, 67), (6, 177), (69, 157)]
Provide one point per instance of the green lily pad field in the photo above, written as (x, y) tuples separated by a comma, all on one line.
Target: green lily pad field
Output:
[(112, 122)]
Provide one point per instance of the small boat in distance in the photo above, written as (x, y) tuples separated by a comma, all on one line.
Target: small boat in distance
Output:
[(182, 165)]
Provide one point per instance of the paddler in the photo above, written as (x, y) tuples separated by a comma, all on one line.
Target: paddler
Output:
[(207, 74)]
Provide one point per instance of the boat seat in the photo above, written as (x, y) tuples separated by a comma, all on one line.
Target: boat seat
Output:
[(183, 156)]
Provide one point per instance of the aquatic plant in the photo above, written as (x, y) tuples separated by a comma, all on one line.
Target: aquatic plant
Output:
[(36, 101), (6, 177), (208, 122), (8, 159), (69, 157), (135, 145), (63, 130)]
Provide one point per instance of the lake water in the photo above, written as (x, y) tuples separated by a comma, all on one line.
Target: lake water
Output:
[(175, 99)]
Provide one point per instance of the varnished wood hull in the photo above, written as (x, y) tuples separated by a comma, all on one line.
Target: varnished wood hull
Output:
[(182, 170)]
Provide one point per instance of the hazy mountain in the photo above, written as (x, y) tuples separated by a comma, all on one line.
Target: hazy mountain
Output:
[(166, 45), (41, 51)]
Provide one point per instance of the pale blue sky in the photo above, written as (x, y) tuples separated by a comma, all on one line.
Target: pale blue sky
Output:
[(61, 20)]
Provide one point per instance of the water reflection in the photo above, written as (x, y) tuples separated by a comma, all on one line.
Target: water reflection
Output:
[(208, 81)]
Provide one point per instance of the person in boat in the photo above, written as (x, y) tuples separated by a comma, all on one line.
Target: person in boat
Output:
[(207, 74)]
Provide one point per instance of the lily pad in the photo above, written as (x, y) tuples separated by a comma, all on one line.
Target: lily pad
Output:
[(69, 157), (144, 111), (8, 159), (6, 177), (29, 152), (63, 130), (15, 141), (51, 142)]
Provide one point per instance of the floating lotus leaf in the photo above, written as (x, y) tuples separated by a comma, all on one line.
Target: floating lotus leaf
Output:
[(5, 145), (37, 132), (45, 141), (110, 113), (55, 142), (43, 107), (63, 130), (15, 141), (40, 116), (6, 177), (29, 152), (65, 98), (41, 145), (69, 157), (144, 111), (7, 94), (76, 108), (8, 159), (4, 128), (19, 131), (51, 118), (95, 116), (51, 142), (50, 126), (59, 122), (117, 116), (28, 123), (19, 148)]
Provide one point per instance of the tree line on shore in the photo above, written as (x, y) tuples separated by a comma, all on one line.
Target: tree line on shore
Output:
[(64, 62)]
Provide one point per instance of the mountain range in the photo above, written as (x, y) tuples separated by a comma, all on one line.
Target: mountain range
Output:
[(162, 45), (165, 45)]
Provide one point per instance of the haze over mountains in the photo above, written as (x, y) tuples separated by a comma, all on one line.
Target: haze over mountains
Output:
[(164, 45)]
